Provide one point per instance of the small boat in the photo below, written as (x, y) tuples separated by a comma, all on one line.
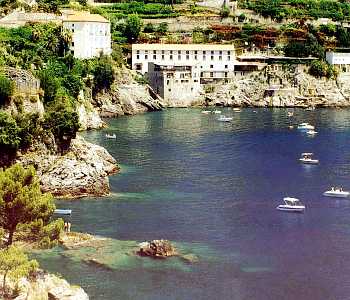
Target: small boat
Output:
[(225, 119), (291, 127), (305, 126), (217, 112), (63, 211), (236, 109), (311, 132), (310, 108), (291, 205), (206, 112), (111, 136), (336, 193), (306, 158), (290, 114)]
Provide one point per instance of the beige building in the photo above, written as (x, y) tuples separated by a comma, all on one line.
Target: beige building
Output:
[(178, 83), (340, 60), (215, 62)]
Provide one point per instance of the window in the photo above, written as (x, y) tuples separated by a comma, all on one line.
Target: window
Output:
[(212, 52), (195, 57), (220, 57), (212, 57), (162, 51), (228, 52), (138, 51), (171, 51), (211, 66), (179, 52), (72, 44), (179, 57), (191, 89), (195, 52), (138, 56), (187, 52), (226, 66), (195, 80), (204, 52), (162, 57), (72, 29), (211, 74), (187, 57), (182, 75), (225, 74), (146, 56), (169, 90), (228, 58), (154, 56), (220, 52), (171, 57), (204, 57), (146, 51), (167, 82), (154, 51)]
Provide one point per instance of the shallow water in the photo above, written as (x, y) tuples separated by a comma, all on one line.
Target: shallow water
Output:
[(212, 188)]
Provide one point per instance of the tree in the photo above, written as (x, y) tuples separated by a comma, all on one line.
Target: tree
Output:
[(15, 264), (49, 83), (225, 11), (6, 89), (9, 138), (162, 28), (132, 28), (103, 74), (149, 28), (21, 200)]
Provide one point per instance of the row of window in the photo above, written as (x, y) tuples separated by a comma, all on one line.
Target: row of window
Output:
[(204, 52), (171, 57)]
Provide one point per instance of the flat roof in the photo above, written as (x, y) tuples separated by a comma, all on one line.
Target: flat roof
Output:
[(182, 47), (85, 17)]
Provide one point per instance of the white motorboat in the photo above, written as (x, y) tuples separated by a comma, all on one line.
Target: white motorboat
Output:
[(310, 108), (236, 109), (305, 126), (206, 112), (225, 119), (217, 112), (290, 114), (291, 205), (111, 136), (336, 193), (306, 158), (311, 132), (63, 211), (290, 126)]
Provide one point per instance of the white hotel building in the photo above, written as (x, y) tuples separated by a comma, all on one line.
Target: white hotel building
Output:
[(340, 60), (215, 62), (91, 34)]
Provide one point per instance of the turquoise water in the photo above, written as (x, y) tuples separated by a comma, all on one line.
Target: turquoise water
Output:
[(212, 188)]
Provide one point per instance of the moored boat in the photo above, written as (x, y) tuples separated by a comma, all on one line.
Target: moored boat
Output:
[(336, 193), (111, 136), (305, 126), (63, 211), (291, 205), (306, 158), (225, 119)]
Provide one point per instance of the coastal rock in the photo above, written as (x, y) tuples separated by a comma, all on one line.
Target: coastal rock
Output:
[(49, 287), (157, 249), (89, 117), (82, 171)]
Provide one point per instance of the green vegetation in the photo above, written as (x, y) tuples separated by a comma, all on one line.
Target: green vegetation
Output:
[(225, 11), (14, 264), (322, 69), (51, 5), (279, 9), (21, 200), (6, 89)]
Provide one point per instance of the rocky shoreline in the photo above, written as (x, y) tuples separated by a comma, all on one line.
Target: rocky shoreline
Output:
[(82, 171)]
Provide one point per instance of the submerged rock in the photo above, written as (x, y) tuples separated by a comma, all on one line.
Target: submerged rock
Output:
[(82, 171), (157, 249)]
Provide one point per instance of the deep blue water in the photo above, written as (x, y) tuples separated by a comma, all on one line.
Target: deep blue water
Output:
[(214, 187)]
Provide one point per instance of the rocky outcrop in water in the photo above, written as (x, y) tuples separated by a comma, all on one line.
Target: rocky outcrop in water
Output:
[(49, 287), (82, 171), (157, 249)]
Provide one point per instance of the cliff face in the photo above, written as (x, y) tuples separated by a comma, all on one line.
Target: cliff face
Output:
[(282, 89), (82, 171), (49, 287)]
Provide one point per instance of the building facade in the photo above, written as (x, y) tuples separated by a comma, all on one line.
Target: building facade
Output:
[(340, 60), (215, 62), (177, 83), (91, 34)]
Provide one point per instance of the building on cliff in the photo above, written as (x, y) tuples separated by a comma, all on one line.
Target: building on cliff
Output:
[(340, 60), (91, 34), (175, 82), (215, 62)]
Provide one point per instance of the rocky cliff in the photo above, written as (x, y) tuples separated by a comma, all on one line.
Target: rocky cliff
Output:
[(82, 171), (49, 287), (286, 88)]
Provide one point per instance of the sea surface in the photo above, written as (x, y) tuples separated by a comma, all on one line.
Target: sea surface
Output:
[(212, 188)]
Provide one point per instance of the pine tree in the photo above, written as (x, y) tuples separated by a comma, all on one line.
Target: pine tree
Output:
[(21, 200)]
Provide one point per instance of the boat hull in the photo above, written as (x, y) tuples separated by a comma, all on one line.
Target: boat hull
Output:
[(63, 211), (336, 194), (295, 209), (309, 161)]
